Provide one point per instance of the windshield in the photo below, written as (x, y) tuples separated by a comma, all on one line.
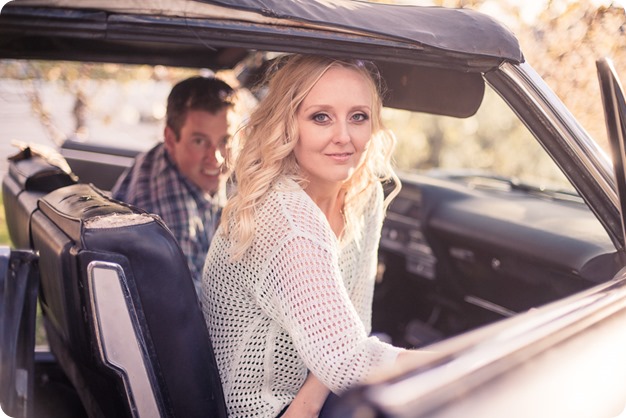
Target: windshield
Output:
[(492, 143), (123, 106)]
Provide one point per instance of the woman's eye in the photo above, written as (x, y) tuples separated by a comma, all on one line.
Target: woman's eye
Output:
[(360, 117), (320, 117)]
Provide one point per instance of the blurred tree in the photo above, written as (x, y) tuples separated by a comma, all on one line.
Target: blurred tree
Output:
[(564, 46), (562, 42), (83, 82)]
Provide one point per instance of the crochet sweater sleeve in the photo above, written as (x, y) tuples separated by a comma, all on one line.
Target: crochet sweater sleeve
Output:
[(304, 291), (361, 286)]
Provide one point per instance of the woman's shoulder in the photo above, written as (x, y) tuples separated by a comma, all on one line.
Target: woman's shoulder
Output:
[(287, 193), (288, 205), (377, 192), (373, 202)]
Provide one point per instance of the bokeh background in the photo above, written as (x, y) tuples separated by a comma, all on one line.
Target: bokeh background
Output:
[(46, 102)]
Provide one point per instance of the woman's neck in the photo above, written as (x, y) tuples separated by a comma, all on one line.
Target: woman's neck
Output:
[(330, 200)]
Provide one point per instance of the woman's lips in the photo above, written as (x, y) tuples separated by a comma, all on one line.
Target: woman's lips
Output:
[(340, 157)]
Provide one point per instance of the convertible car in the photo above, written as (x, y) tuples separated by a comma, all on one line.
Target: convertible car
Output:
[(512, 274)]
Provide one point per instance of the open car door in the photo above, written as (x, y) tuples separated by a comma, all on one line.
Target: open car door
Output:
[(615, 115)]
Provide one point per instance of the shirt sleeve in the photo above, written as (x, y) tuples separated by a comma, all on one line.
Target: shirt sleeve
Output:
[(305, 294), (120, 187)]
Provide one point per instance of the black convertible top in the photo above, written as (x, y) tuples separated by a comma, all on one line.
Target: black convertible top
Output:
[(461, 31), (430, 57)]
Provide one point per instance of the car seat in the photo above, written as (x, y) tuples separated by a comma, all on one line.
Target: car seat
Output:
[(120, 310), (29, 177)]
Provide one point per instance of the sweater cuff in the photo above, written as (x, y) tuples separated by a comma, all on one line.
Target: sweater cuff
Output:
[(389, 355)]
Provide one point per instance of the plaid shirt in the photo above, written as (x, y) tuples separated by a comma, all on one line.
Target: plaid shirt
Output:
[(155, 185)]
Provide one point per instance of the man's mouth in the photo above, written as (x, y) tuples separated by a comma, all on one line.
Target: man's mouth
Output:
[(211, 171)]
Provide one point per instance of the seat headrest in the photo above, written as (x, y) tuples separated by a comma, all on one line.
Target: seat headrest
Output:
[(34, 173), (71, 207)]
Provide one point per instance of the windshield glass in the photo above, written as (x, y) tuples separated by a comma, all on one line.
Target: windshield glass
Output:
[(492, 143), (123, 106)]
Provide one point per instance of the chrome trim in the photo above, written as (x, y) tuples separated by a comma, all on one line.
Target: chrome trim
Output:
[(403, 219), (613, 102), (489, 352), (110, 159), (115, 324), (595, 160), (490, 306)]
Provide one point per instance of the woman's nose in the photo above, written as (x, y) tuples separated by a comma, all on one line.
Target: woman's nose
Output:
[(342, 134)]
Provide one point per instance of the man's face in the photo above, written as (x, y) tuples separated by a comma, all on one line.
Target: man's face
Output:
[(200, 151)]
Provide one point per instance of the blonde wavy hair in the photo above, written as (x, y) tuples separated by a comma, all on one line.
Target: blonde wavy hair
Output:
[(268, 140)]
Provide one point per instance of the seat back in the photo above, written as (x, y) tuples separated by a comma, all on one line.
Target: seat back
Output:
[(28, 178), (18, 306), (120, 309)]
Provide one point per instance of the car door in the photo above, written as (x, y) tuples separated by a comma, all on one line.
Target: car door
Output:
[(615, 114), (561, 359)]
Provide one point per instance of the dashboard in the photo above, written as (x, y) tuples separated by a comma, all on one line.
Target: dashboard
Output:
[(460, 251)]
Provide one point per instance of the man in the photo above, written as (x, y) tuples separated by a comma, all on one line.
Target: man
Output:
[(183, 179)]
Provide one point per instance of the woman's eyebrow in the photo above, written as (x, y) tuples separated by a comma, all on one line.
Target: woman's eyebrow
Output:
[(328, 106)]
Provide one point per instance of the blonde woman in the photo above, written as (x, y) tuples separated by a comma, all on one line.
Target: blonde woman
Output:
[(289, 278)]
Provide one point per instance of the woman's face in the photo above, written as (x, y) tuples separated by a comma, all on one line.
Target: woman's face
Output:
[(335, 127)]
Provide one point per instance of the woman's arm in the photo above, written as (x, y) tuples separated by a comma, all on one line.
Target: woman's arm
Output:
[(309, 399)]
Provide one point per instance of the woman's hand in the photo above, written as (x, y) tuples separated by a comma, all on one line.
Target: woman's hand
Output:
[(309, 399)]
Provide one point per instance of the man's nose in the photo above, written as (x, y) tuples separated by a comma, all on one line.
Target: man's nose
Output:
[(215, 156)]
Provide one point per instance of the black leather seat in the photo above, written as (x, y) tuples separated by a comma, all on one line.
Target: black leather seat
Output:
[(18, 305), (28, 178), (120, 309)]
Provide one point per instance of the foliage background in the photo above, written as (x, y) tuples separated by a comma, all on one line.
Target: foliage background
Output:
[(561, 41)]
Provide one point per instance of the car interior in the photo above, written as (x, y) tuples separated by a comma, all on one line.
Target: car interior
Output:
[(105, 269), (455, 254), (456, 257), (458, 250)]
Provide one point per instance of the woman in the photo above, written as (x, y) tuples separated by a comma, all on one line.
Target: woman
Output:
[(289, 277)]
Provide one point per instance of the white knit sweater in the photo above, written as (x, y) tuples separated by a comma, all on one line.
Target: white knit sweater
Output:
[(298, 300)]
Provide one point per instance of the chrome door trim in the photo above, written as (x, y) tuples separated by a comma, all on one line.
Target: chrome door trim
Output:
[(581, 159), (119, 342)]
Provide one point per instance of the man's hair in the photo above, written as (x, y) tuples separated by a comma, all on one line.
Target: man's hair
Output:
[(197, 93)]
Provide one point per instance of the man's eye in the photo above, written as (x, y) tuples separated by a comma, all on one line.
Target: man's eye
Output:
[(198, 141)]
